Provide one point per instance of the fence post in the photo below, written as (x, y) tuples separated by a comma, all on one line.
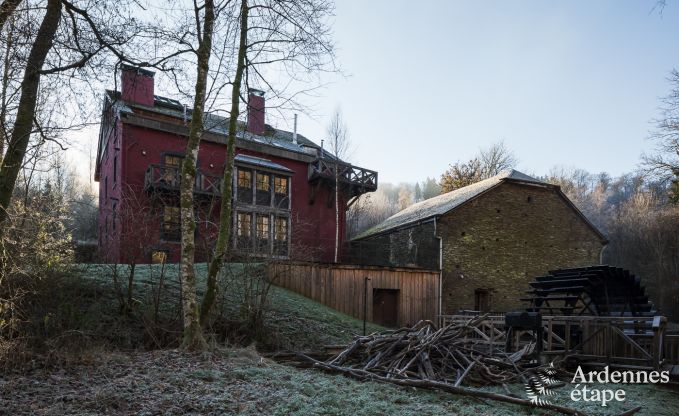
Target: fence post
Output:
[(365, 302), (659, 323)]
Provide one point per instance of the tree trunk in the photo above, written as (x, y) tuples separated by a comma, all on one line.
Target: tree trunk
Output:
[(193, 333), (227, 186), (23, 124)]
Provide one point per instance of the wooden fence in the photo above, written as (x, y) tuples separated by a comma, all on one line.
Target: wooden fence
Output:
[(597, 340), (345, 287)]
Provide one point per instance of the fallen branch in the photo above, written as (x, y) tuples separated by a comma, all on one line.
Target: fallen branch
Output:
[(436, 385), (630, 412)]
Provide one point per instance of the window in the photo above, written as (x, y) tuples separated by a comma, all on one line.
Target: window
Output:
[(263, 233), (244, 178), (159, 256), (171, 225), (263, 189), (171, 166), (280, 185), (244, 230), (262, 223), (174, 161), (281, 236), (263, 182), (244, 188)]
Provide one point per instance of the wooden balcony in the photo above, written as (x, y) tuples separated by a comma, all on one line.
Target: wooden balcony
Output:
[(354, 179), (160, 178)]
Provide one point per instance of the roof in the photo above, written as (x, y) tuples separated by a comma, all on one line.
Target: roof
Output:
[(258, 161), (218, 124), (444, 203)]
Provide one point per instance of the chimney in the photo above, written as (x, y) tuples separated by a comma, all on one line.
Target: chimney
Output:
[(137, 85), (294, 132), (256, 112)]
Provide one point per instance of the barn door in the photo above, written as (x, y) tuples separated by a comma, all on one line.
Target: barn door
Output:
[(385, 307)]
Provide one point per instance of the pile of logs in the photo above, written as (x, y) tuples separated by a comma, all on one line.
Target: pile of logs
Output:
[(428, 357), (428, 353)]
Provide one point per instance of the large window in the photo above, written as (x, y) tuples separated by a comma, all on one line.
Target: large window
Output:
[(171, 225), (262, 205), (263, 233)]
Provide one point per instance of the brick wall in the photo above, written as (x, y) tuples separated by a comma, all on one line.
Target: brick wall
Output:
[(501, 240)]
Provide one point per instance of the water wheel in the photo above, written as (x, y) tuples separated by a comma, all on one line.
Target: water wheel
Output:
[(597, 290)]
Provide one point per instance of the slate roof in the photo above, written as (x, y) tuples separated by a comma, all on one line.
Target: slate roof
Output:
[(218, 124), (439, 205)]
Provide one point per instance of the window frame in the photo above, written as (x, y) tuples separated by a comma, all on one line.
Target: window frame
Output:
[(286, 233), (260, 242), (239, 239), (167, 234), (262, 202)]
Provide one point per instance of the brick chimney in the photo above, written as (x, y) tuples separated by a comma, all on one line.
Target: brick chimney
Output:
[(256, 112), (137, 85)]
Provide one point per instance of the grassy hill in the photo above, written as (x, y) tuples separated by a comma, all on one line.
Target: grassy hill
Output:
[(291, 321), (236, 380)]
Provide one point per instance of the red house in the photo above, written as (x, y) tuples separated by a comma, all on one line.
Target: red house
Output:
[(283, 203)]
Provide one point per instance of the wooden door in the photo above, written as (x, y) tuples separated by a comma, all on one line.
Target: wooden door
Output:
[(482, 300), (385, 307)]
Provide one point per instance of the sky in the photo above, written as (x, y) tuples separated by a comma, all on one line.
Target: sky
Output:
[(428, 83)]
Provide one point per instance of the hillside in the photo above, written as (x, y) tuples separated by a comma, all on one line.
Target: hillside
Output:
[(240, 380)]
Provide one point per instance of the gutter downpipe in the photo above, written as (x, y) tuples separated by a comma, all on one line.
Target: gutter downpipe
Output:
[(601, 254), (440, 311)]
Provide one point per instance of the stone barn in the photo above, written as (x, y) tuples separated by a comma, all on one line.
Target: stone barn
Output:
[(489, 240)]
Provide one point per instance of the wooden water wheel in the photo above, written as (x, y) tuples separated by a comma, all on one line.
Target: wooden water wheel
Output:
[(597, 290)]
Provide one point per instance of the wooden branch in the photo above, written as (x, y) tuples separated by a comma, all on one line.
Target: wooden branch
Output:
[(435, 385)]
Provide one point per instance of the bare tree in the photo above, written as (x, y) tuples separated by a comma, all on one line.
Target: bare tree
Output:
[(663, 164), (338, 137), (193, 334), (23, 124), (496, 158), (48, 70), (489, 162), (224, 232), (290, 37)]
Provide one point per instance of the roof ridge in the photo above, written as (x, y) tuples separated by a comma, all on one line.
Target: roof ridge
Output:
[(445, 202)]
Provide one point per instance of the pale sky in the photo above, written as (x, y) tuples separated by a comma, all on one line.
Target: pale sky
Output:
[(570, 83)]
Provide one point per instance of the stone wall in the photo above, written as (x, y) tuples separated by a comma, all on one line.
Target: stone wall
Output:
[(416, 246), (497, 243)]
